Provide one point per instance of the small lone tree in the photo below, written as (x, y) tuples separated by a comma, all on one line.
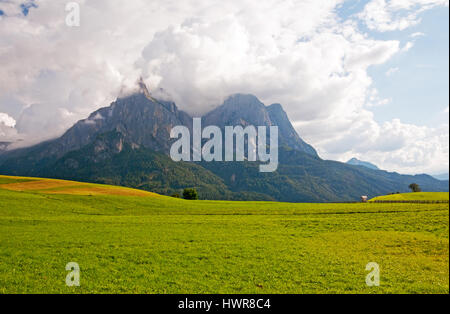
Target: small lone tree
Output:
[(415, 188), (190, 194)]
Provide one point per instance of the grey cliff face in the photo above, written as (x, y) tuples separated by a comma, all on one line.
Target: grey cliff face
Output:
[(288, 135), (141, 120), (247, 110)]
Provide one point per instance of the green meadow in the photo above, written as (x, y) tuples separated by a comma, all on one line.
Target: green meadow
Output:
[(422, 196), (129, 241)]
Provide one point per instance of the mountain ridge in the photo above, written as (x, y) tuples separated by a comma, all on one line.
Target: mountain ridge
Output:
[(128, 142), (441, 177)]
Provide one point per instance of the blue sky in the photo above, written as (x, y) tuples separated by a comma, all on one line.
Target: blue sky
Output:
[(419, 90), (418, 87)]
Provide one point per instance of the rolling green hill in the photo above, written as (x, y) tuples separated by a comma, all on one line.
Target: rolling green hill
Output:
[(422, 196), (132, 241), (300, 177)]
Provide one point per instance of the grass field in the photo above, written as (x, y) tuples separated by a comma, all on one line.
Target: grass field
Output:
[(422, 196), (128, 241)]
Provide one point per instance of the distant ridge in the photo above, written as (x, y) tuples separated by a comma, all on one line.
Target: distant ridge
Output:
[(442, 177)]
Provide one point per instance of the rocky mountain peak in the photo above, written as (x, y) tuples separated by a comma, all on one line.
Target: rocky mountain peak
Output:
[(239, 109), (141, 120), (242, 109), (143, 89), (276, 107), (236, 100), (357, 162)]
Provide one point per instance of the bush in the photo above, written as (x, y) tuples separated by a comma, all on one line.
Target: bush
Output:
[(190, 194)]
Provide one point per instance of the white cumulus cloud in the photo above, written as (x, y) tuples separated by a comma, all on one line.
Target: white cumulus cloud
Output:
[(298, 53), (391, 15)]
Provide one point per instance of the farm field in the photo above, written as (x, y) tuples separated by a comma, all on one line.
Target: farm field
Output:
[(130, 241), (422, 196)]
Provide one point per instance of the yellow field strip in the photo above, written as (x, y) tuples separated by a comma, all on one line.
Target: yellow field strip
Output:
[(53, 186)]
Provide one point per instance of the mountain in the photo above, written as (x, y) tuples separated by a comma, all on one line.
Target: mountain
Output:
[(128, 142), (442, 177), (357, 162), (141, 120), (247, 110)]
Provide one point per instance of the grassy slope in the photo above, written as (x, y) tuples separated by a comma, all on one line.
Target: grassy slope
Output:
[(423, 196), (154, 244)]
